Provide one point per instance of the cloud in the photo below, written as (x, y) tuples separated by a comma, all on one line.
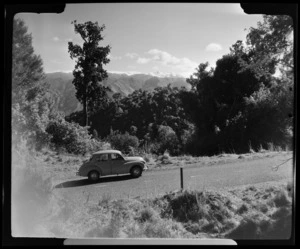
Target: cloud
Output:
[(142, 60), (131, 67), (123, 72), (164, 57), (165, 61), (132, 55), (56, 39), (56, 61), (155, 68), (213, 47), (114, 57)]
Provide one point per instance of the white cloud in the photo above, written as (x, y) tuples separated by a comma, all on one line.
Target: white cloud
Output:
[(165, 74), (164, 63), (167, 59), (56, 39), (132, 55), (114, 57), (164, 57), (56, 61), (131, 67), (128, 72), (142, 60), (155, 68), (180, 66), (213, 47)]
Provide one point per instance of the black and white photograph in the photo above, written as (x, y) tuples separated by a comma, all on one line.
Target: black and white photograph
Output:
[(153, 121)]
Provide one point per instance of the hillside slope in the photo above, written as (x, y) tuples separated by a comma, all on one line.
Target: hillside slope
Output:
[(61, 85)]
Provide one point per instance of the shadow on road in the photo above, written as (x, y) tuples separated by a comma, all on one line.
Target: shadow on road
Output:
[(85, 182)]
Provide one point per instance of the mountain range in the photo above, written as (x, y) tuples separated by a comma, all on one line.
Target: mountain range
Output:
[(64, 91)]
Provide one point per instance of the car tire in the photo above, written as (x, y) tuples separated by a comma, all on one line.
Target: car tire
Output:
[(136, 171), (94, 176)]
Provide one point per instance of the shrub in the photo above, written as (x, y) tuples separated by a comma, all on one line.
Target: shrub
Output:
[(71, 136), (281, 199), (148, 214), (242, 209), (167, 140), (123, 142)]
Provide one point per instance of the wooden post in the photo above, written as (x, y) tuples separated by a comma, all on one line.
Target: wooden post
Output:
[(181, 177)]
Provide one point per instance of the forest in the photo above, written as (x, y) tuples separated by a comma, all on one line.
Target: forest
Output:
[(245, 103)]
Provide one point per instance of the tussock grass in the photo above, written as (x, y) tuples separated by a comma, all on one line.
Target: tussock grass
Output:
[(281, 199), (180, 214)]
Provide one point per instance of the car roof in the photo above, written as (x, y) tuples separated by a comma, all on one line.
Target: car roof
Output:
[(107, 152)]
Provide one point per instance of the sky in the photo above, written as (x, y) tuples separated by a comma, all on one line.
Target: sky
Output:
[(151, 38)]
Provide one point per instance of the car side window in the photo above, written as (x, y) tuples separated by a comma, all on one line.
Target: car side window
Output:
[(102, 157), (116, 157)]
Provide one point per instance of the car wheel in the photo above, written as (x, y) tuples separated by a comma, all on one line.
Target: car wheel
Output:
[(136, 171), (94, 175)]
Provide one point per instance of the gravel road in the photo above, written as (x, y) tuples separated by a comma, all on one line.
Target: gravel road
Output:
[(158, 182)]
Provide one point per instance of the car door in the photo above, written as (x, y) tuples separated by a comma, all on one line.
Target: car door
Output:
[(102, 162), (118, 164)]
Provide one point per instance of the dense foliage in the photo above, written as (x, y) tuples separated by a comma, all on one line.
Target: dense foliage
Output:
[(240, 103), (72, 137), (245, 102), (32, 102), (156, 118), (123, 142), (34, 116)]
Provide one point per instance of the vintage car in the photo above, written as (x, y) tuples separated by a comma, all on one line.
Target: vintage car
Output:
[(111, 162)]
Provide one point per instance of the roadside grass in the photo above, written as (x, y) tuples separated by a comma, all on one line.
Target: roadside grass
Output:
[(62, 165), (247, 212)]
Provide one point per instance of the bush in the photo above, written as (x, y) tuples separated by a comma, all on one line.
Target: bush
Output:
[(167, 140), (123, 142), (71, 136)]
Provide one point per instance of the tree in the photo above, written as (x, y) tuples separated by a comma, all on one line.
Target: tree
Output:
[(201, 73), (32, 101), (89, 72), (27, 67), (272, 41), (241, 101)]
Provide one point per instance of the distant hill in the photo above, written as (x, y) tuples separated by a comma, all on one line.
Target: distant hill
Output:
[(61, 84)]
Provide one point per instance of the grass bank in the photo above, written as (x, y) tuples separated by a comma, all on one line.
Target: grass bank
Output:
[(243, 213)]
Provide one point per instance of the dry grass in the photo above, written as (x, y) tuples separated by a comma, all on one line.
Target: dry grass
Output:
[(187, 214), (63, 166)]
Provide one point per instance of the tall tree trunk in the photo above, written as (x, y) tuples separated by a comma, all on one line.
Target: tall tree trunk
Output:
[(85, 112)]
